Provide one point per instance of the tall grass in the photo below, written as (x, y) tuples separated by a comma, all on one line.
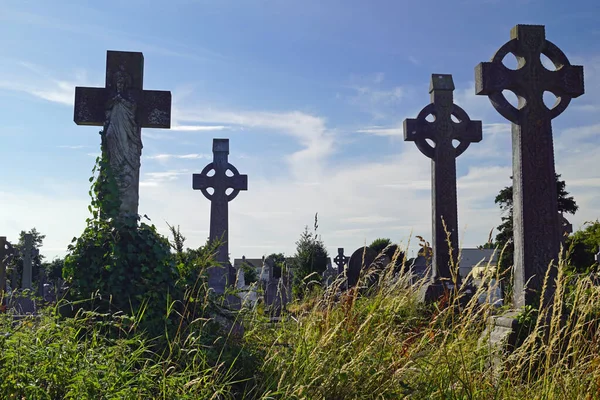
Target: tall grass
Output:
[(365, 343)]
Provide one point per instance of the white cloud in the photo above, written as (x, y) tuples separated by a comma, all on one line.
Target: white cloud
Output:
[(198, 128), (383, 131), (165, 157), (311, 133), (36, 81), (159, 178)]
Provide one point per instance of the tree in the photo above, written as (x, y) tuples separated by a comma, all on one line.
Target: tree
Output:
[(583, 246), (379, 244), (566, 204), (278, 264), (310, 260)]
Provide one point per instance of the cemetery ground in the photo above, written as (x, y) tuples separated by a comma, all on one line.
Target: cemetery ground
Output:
[(379, 343)]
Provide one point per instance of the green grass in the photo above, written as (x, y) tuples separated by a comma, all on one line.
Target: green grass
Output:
[(383, 345)]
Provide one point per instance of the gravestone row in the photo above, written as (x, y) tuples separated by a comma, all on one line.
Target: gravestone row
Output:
[(123, 107)]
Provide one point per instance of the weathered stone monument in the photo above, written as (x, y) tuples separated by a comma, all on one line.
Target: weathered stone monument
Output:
[(536, 226), (341, 260), (28, 253), (442, 131), (220, 183), (360, 260), (123, 108), (277, 288), (6, 251)]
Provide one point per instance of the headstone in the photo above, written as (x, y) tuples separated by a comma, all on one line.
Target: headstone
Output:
[(220, 182), (6, 250), (277, 293), (419, 267), (341, 260), (535, 213), (28, 253), (361, 259), (330, 273), (123, 107), (442, 132)]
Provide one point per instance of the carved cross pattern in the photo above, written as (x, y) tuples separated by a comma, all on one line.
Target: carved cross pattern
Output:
[(531, 79), (340, 260), (220, 182), (442, 131), (537, 229), (153, 106)]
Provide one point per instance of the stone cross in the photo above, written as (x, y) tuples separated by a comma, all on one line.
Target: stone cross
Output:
[(442, 131), (341, 260), (536, 226), (123, 107), (220, 183)]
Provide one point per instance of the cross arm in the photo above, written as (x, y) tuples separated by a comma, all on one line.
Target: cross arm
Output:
[(90, 105), (566, 81), (238, 182), (417, 130), (155, 109), (491, 78), (201, 181)]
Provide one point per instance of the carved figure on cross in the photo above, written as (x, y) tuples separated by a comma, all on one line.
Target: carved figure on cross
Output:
[(123, 107), (536, 221), (450, 124), (214, 176)]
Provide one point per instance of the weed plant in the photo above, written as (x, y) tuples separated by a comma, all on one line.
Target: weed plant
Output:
[(373, 342)]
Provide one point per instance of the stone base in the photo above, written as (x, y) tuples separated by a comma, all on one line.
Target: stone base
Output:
[(435, 289), (500, 336)]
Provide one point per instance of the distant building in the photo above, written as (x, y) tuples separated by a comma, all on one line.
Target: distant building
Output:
[(478, 259)]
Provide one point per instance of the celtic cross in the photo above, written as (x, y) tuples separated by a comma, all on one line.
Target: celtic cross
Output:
[(442, 131), (214, 176), (536, 227), (341, 260)]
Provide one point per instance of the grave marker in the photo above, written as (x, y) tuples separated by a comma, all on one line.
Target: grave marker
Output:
[(220, 182), (442, 132), (123, 107), (341, 260), (6, 251), (28, 253), (536, 224), (362, 258)]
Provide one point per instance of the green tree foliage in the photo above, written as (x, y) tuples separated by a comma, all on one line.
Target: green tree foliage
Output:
[(123, 265), (53, 269), (310, 260), (250, 274), (278, 264), (583, 246), (379, 244), (504, 238)]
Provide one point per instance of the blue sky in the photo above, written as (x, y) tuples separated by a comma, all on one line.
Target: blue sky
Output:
[(311, 94)]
